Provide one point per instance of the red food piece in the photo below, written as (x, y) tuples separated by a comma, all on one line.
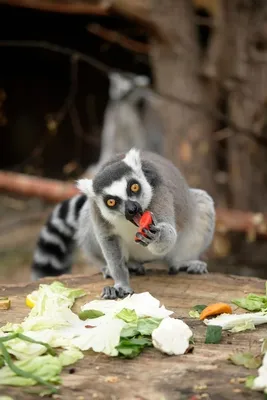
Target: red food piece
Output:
[(144, 223)]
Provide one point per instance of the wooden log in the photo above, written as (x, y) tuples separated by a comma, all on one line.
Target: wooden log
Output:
[(56, 191), (204, 374), (31, 186)]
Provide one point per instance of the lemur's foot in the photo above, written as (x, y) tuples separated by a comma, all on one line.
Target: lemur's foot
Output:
[(112, 292), (191, 267), (136, 268)]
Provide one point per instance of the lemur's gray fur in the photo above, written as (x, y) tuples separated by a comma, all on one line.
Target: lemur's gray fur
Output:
[(183, 227), (130, 119)]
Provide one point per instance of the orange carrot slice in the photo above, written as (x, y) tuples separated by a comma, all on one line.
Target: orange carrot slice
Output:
[(215, 309)]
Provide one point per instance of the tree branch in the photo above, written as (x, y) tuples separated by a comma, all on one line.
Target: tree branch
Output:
[(55, 191)]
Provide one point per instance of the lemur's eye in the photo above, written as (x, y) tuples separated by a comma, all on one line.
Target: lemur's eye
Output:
[(135, 187), (111, 202)]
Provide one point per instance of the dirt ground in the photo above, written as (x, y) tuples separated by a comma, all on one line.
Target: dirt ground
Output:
[(20, 223)]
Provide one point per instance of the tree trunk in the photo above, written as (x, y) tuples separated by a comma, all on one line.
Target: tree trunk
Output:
[(176, 66), (247, 84)]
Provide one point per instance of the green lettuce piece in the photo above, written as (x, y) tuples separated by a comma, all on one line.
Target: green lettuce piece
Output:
[(248, 360), (127, 315), (70, 356), (264, 346), (199, 307), (146, 326), (143, 326), (249, 381), (243, 326), (90, 314), (213, 334), (129, 330), (252, 302), (54, 297), (194, 314), (6, 398), (46, 367), (130, 348)]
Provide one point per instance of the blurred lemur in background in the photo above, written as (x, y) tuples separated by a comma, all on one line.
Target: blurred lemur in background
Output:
[(131, 118), (101, 220)]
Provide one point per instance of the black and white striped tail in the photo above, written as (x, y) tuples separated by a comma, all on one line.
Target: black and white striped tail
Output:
[(56, 243)]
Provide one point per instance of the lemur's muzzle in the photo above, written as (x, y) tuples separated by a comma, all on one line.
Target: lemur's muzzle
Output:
[(133, 211)]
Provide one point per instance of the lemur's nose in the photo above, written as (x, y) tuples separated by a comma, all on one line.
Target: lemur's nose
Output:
[(132, 208)]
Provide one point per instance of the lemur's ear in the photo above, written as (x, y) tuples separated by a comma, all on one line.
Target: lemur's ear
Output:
[(86, 187), (132, 158)]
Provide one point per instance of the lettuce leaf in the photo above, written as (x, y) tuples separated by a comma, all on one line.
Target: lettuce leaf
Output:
[(252, 302), (248, 360), (127, 315), (46, 367), (130, 348), (70, 356)]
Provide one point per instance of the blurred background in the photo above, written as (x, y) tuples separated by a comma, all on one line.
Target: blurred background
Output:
[(80, 80)]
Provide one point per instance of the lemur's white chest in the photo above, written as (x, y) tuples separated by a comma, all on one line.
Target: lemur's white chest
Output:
[(127, 231)]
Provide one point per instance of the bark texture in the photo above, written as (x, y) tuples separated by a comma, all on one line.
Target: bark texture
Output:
[(176, 63)]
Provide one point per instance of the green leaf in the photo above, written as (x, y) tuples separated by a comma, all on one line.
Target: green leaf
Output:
[(264, 346), (248, 360), (146, 326), (2, 361), (249, 381), (194, 314), (127, 315), (252, 302), (199, 307), (131, 348), (90, 314), (243, 326), (129, 330), (213, 334)]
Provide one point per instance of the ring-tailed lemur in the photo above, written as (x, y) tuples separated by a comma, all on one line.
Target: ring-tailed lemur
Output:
[(130, 119), (102, 218)]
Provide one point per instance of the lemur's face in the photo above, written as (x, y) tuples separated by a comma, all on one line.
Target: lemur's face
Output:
[(120, 190)]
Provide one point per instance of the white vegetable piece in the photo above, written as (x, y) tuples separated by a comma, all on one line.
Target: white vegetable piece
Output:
[(103, 338), (144, 304), (229, 321), (172, 336), (260, 383)]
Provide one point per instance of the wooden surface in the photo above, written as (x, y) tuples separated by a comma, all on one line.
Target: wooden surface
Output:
[(204, 374)]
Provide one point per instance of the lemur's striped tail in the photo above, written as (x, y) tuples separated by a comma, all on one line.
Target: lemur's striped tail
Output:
[(56, 242)]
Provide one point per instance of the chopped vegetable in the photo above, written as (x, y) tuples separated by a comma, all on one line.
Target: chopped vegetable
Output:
[(4, 303), (103, 338), (264, 346), (31, 299), (143, 304), (260, 382), (252, 302), (172, 336), (249, 381), (230, 321), (90, 314), (130, 348), (199, 307), (127, 315), (248, 360), (194, 314), (215, 309), (42, 369), (213, 335)]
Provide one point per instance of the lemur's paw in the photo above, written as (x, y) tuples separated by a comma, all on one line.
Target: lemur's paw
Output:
[(136, 268), (111, 293), (149, 235), (191, 267)]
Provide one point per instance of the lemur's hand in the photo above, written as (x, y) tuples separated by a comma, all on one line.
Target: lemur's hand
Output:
[(149, 234)]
